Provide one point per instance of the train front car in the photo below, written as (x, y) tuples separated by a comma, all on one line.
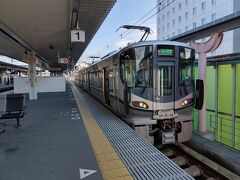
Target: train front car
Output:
[(159, 85)]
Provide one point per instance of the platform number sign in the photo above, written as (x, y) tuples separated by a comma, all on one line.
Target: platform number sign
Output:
[(77, 36)]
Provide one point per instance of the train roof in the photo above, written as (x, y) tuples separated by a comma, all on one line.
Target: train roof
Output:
[(141, 43), (156, 42), (145, 43)]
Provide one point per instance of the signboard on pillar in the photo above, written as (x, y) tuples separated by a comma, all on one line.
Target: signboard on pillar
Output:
[(77, 35)]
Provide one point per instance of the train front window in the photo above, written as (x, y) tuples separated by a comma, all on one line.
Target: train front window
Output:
[(165, 76), (186, 60), (136, 66)]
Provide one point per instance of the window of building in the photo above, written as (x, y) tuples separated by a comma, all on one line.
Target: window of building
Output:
[(173, 10), (179, 19), (168, 26), (186, 2), (195, 11), (168, 36), (213, 16), (194, 25), (179, 31), (173, 22), (168, 14), (163, 38), (173, 34), (214, 2), (186, 28), (203, 21), (186, 15), (203, 6), (163, 17), (179, 6), (163, 28)]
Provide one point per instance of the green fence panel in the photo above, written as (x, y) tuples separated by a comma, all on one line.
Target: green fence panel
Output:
[(237, 90), (225, 89), (225, 104), (237, 133), (237, 109), (210, 95)]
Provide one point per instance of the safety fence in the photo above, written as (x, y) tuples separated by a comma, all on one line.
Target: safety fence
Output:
[(225, 129)]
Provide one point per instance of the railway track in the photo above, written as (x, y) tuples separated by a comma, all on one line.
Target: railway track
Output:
[(195, 164)]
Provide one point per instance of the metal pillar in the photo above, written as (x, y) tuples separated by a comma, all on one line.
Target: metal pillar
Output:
[(233, 103), (216, 104), (32, 75), (201, 75), (203, 48)]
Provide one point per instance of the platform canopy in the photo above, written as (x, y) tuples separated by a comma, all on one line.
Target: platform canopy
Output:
[(44, 27)]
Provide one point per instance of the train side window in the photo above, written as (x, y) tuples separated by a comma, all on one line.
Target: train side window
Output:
[(128, 66), (91, 78), (100, 79), (186, 60), (143, 66), (135, 66), (110, 80)]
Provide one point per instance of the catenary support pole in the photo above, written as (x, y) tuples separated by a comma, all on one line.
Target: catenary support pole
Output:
[(202, 49)]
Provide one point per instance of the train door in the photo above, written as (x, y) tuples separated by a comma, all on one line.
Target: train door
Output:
[(106, 86), (116, 90), (164, 89)]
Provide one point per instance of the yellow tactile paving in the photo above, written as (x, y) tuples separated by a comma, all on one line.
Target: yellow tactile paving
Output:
[(109, 162)]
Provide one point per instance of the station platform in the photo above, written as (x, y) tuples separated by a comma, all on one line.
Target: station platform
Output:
[(52, 142), (57, 141)]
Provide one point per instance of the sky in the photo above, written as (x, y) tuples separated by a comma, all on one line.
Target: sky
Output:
[(124, 12)]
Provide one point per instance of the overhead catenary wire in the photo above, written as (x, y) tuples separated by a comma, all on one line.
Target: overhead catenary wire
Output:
[(122, 34), (127, 32)]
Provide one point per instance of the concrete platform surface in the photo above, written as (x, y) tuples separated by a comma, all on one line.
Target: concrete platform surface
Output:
[(52, 142), (224, 156)]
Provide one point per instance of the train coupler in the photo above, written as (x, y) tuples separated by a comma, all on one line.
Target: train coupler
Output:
[(168, 137)]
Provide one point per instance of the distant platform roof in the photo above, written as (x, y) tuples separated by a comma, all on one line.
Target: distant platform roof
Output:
[(8, 66), (44, 26)]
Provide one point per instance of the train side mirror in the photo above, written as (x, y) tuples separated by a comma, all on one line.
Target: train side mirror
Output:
[(199, 94)]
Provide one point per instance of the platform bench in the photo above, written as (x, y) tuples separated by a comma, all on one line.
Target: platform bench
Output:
[(12, 107)]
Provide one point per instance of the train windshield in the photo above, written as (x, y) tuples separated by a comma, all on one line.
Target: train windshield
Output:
[(136, 66), (186, 60)]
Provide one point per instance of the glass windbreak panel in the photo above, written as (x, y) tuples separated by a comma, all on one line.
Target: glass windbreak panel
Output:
[(186, 60), (165, 80), (136, 66)]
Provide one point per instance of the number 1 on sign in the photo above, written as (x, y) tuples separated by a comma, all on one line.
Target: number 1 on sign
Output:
[(78, 35)]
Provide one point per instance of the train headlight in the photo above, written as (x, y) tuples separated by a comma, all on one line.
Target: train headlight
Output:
[(187, 102), (140, 104)]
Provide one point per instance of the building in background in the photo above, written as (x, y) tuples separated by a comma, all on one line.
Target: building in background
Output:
[(178, 16)]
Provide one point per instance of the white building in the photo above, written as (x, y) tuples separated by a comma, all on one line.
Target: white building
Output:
[(178, 16)]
